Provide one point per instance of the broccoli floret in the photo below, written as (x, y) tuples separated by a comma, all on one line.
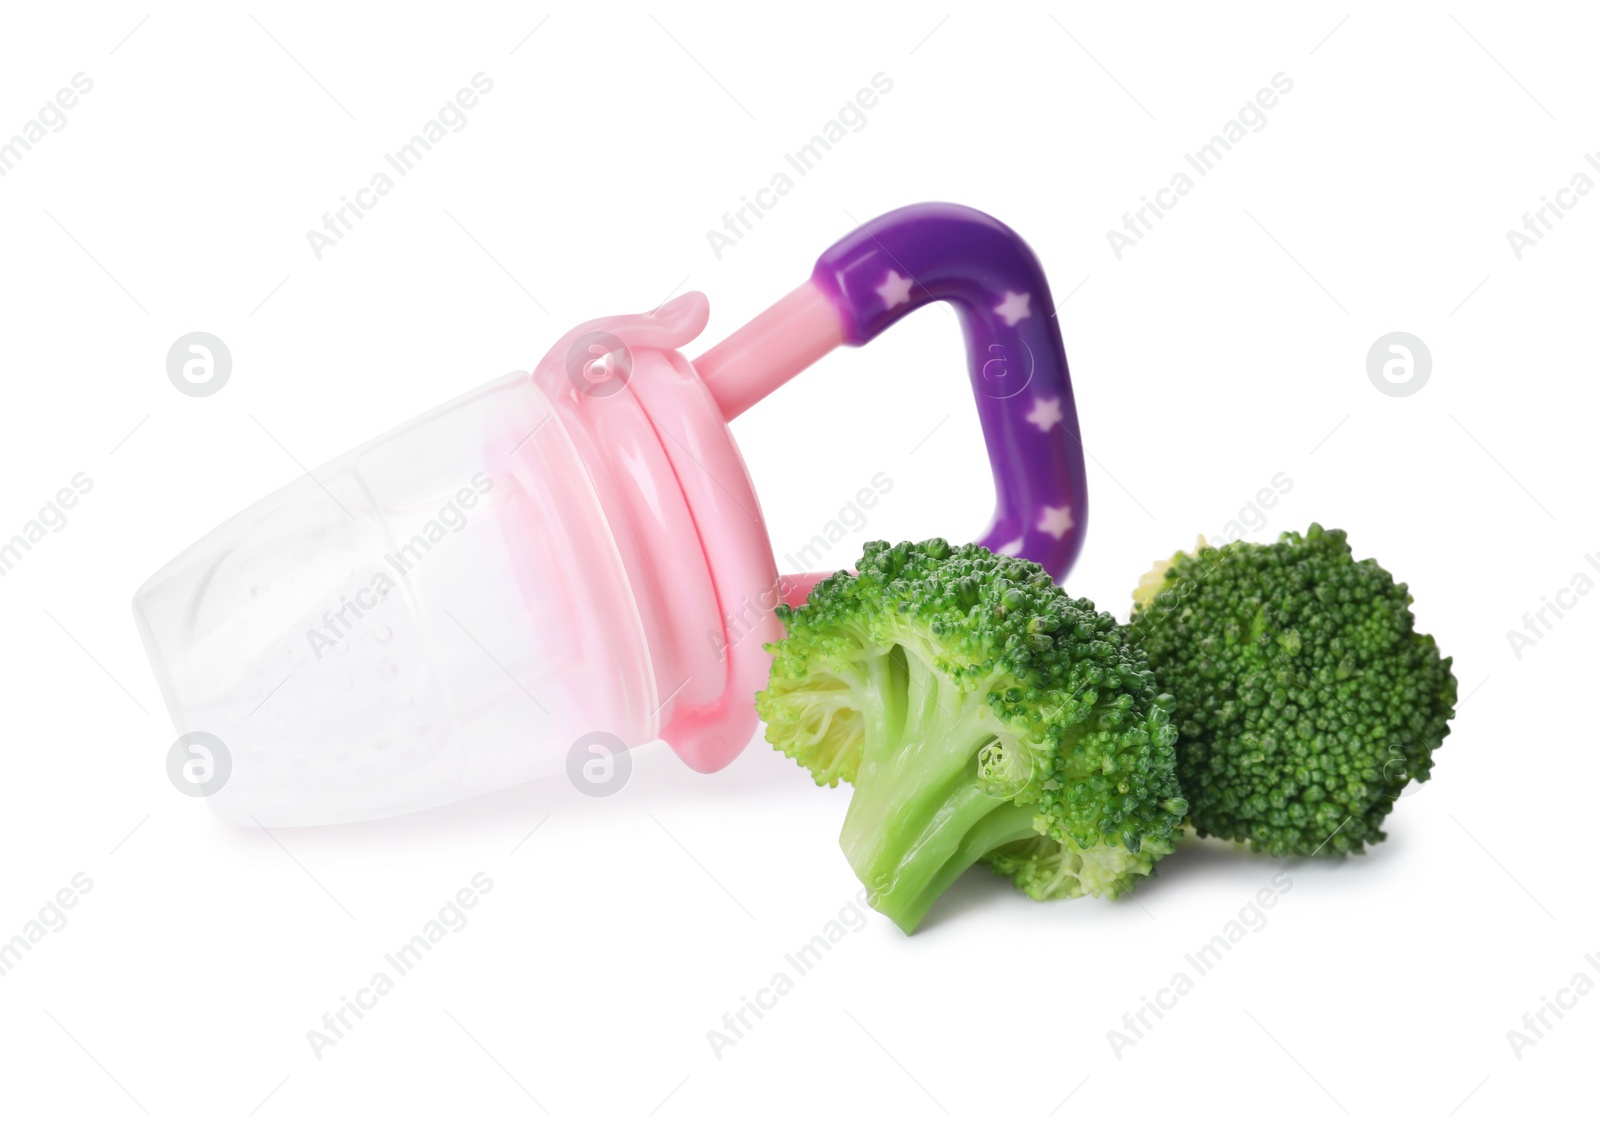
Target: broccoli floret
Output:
[(980, 713), (1305, 699)]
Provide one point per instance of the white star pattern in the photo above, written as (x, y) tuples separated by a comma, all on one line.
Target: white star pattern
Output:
[(1014, 308), (1056, 521), (1046, 414), (895, 290), (1010, 549)]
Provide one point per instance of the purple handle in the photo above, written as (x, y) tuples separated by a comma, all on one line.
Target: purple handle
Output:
[(947, 253)]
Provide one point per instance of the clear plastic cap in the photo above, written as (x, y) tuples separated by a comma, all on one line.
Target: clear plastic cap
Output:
[(404, 628)]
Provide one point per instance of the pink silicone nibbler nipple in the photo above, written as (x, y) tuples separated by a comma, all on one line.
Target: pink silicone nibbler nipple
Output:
[(574, 559)]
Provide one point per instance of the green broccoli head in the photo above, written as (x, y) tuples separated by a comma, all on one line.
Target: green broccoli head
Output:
[(980, 713), (1305, 701)]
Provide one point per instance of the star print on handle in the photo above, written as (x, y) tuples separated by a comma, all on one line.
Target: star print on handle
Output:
[(1046, 413), (894, 290), (1014, 307), (1055, 521), (1016, 363)]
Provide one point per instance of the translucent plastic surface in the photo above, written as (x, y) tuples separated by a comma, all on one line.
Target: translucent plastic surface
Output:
[(440, 613)]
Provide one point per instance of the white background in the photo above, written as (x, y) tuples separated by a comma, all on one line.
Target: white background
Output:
[(1228, 346)]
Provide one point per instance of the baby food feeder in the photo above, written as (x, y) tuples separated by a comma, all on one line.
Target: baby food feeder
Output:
[(575, 552)]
